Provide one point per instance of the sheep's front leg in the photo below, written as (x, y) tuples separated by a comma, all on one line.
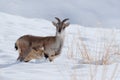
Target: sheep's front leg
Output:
[(52, 56)]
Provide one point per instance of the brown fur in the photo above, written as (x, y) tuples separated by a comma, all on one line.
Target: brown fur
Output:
[(24, 45), (27, 44), (34, 55)]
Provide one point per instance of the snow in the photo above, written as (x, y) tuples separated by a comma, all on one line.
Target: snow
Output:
[(70, 65), (90, 13)]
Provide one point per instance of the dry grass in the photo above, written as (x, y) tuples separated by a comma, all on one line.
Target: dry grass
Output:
[(101, 60)]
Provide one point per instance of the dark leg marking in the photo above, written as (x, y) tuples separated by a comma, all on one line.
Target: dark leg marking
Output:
[(46, 56)]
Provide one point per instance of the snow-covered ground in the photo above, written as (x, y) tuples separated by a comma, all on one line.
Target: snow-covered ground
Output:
[(70, 65)]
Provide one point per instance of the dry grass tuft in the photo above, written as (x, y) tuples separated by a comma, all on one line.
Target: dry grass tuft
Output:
[(102, 57)]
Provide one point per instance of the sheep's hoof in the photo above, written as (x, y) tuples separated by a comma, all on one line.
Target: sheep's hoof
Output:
[(50, 60), (26, 61)]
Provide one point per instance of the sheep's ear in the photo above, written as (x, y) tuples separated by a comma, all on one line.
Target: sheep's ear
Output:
[(67, 24), (55, 24)]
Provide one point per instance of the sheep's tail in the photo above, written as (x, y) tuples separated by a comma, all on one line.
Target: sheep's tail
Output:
[(16, 46)]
